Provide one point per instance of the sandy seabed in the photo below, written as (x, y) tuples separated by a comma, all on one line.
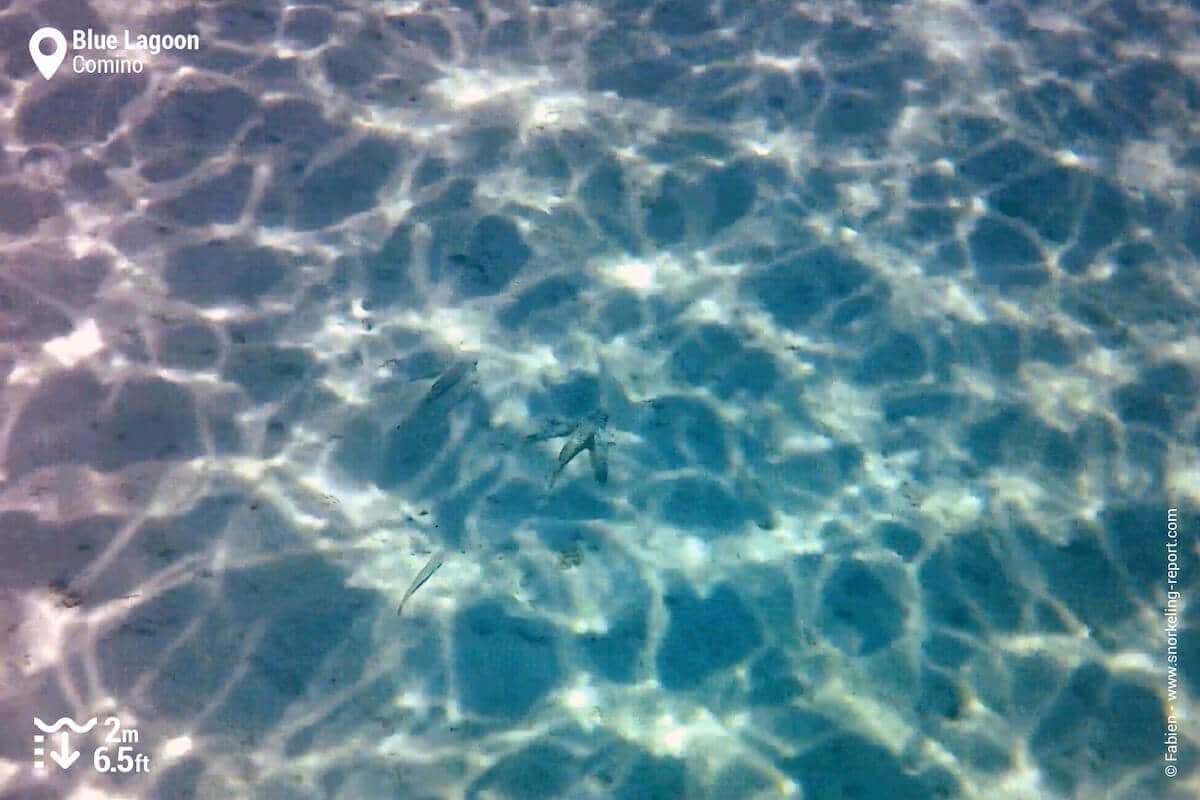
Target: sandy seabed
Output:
[(890, 310)]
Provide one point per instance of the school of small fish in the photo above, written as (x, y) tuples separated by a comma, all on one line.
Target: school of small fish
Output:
[(588, 434), (585, 434)]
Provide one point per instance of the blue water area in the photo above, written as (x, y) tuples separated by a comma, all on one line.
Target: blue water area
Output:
[(647, 401)]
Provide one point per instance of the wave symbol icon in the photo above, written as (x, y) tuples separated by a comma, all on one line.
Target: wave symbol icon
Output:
[(67, 722)]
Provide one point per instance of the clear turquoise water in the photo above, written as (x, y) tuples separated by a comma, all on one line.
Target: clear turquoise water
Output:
[(798, 397)]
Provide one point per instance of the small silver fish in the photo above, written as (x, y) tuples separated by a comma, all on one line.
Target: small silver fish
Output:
[(431, 566), (599, 456), (585, 436), (553, 428), (447, 381)]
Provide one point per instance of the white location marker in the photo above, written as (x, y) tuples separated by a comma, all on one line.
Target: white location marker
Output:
[(48, 64)]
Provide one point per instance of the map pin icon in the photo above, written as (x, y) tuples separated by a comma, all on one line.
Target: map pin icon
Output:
[(48, 64)]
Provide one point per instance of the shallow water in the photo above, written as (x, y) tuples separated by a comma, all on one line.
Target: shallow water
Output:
[(890, 309)]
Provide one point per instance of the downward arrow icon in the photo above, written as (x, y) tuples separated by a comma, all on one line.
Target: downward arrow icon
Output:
[(67, 757)]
